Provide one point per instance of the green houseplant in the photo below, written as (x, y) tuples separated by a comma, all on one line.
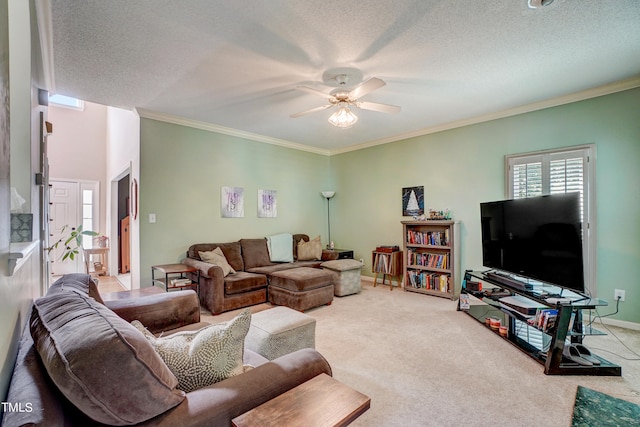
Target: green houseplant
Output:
[(72, 243)]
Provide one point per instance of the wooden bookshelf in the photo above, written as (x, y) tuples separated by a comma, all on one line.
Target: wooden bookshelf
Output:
[(431, 264), (388, 264)]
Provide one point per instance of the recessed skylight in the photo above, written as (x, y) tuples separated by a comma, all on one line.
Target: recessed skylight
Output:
[(67, 101)]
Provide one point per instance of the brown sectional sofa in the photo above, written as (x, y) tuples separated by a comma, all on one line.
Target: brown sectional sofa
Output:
[(248, 286), (108, 388)]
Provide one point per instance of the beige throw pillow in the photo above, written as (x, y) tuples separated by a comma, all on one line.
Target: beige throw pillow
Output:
[(216, 257), (201, 358), (311, 250)]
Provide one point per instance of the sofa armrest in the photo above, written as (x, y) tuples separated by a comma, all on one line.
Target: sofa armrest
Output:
[(206, 269), (159, 312), (212, 292), (218, 404)]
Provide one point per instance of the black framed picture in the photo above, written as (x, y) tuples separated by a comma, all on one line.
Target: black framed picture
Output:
[(413, 201)]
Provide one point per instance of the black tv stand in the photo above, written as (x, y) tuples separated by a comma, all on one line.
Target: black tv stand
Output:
[(568, 324)]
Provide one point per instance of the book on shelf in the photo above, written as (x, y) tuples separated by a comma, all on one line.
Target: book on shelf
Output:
[(179, 282), (464, 302), (430, 281), (426, 259), (545, 319), (433, 238)]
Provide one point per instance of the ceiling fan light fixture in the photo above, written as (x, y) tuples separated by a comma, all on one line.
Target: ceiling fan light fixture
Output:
[(343, 118)]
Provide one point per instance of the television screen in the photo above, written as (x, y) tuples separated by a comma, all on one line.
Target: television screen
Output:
[(537, 237)]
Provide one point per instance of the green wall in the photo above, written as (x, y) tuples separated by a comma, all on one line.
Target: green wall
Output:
[(182, 170), (462, 167)]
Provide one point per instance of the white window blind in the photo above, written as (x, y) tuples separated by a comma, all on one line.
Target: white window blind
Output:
[(527, 180), (555, 172)]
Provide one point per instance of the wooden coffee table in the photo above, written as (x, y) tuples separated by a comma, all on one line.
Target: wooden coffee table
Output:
[(321, 401)]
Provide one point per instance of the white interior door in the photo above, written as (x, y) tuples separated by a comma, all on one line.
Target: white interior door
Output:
[(63, 211)]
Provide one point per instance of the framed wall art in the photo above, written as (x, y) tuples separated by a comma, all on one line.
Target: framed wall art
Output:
[(232, 202), (267, 204), (413, 201)]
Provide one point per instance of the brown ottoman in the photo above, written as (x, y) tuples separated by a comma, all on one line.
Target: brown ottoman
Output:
[(301, 288)]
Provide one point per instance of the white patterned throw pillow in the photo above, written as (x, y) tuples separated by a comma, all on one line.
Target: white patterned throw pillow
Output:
[(204, 357)]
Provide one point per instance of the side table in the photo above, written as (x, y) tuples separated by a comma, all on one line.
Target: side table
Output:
[(172, 272), (101, 268), (388, 264), (320, 402), (331, 254)]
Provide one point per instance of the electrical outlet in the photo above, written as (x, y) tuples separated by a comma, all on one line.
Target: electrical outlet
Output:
[(619, 294)]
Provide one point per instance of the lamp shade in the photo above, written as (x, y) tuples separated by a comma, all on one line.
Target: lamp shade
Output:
[(328, 194)]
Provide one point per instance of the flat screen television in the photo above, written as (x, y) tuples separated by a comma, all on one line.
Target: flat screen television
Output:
[(537, 238)]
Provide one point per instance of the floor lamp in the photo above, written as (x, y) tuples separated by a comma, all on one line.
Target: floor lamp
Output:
[(328, 195)]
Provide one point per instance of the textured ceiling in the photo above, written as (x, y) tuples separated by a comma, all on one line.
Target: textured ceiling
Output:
[(236, 64)]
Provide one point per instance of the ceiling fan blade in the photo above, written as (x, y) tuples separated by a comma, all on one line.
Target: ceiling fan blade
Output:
[(314, 91), (313, 110), (369, 86), (375, 106)]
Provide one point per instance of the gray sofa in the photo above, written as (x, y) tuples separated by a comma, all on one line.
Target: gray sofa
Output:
[(248, 286), (76, 367)]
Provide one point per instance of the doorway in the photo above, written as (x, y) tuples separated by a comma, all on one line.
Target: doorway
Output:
[(124, 237), (71, 203)]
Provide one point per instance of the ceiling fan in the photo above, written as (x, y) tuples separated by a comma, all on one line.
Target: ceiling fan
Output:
[(344, 117)]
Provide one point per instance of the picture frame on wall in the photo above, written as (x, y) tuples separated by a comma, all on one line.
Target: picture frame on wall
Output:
[(232, 202), (413, 201), (267, 203)]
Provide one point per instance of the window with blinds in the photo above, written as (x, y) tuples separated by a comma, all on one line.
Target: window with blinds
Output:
[(527, 180), (555, 172)]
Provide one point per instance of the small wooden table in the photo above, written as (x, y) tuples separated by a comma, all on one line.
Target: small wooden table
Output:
[(176, 270), (389, 264), (101, 268), (320, 402)]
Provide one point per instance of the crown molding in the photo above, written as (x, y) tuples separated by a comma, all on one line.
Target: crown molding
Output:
[(619, 86), (608, 89), (45, 32), (147, 114)]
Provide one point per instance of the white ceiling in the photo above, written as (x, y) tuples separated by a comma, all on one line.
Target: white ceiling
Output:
[(235, 65)]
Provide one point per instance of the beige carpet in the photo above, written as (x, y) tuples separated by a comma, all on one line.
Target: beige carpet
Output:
[(425, 364)]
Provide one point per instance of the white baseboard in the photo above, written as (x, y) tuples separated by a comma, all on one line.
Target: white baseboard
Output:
[(380, 280), (621, 323), (367, 278)]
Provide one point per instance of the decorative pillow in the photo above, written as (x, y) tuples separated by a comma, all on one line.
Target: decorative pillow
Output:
[(311, 250), (255, 253), (280, 247), (101, 363), (201, 358), (216, 257)]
